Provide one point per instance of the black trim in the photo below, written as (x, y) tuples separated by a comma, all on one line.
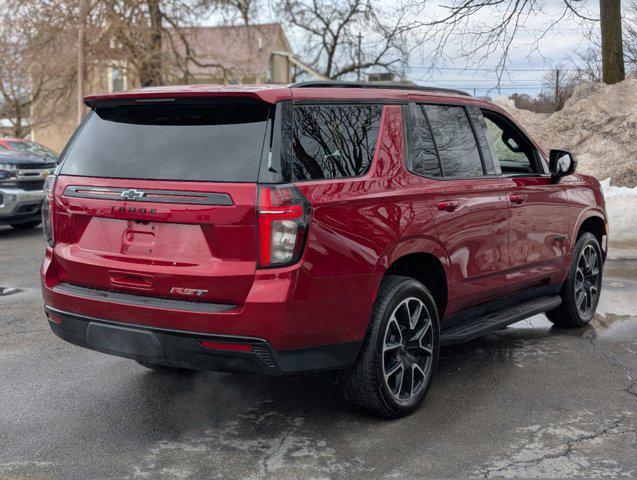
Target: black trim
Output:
[(162, 196), (378, 85), (473, 313), (140, 300), (183, 349), (474, 328)]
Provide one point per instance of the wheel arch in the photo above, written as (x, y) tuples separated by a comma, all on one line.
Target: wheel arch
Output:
[(424, 260), (593, 222)]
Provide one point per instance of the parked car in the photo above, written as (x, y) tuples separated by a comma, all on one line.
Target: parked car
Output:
[(21, 182), (27, 146), (320, 226)]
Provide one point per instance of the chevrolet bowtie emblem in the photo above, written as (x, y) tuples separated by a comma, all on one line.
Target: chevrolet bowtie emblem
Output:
[(132, 194)]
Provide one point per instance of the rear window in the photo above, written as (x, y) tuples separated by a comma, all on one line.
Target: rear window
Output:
[(334, 141), (207, 142)]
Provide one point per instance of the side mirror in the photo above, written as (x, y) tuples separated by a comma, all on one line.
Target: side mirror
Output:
[(561, 164)]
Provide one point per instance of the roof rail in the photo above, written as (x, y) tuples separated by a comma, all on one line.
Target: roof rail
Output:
[(393, 86)]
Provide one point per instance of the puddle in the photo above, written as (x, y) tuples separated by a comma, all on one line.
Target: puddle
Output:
[(4, 291)]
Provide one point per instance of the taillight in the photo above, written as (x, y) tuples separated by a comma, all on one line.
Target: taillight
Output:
[(47, 211), (283, 220)]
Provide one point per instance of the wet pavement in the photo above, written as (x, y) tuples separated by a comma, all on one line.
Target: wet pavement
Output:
[(530, 400)]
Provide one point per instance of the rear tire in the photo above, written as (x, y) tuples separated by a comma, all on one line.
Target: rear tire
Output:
[(398, 357), (25, 226), (165, 368), (580, 293)]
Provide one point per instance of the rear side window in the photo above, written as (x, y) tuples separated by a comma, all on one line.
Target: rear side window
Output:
[(206, 142), (457, 148), (422, 159), (333, 141)]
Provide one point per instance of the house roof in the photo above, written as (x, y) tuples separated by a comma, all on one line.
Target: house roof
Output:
[(242, 50)]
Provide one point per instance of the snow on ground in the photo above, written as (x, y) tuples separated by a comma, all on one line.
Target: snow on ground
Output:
[(621, 207), (598, 124)]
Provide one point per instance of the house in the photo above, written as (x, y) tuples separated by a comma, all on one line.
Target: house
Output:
[(257, 53)]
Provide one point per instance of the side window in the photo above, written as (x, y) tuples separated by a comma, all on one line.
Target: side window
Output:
[(510, 149), (457, 148), (491, 165), (422, 158), (334, 141)]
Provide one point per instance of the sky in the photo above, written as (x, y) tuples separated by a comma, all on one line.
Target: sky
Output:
[(530, 59)]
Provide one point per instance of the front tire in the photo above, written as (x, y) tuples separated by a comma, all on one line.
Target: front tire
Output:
[(398, 358), (580, 293)]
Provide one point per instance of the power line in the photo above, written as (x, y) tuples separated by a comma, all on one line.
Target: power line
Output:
[(494, 70)]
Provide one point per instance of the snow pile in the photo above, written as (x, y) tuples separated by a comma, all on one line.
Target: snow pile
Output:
[(621, 208), (598, 124)]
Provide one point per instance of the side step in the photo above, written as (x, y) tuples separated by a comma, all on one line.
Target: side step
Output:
[(477, 326)]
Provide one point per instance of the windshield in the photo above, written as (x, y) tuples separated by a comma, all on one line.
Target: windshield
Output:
[(209, 142), (32, 147)]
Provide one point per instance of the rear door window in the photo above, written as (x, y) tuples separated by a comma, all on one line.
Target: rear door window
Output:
[(204, 142), (333, 141), (455, 141), (422, 158)]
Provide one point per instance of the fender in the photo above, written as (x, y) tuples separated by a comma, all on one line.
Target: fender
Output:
[(589, 212), (408, 246)]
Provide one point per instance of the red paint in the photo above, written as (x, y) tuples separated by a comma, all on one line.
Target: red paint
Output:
[(493, 236)]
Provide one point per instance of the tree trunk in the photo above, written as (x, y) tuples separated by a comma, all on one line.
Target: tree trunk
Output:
[(612, 51), (151, 70), (81, 60)]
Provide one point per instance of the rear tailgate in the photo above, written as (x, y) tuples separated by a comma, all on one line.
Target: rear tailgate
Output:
[(157, 248), (125, 219)]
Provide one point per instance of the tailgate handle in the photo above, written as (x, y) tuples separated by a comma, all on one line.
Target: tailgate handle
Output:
[(132, 280)]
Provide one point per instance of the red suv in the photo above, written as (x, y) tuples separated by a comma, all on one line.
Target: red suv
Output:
[(318, 226)]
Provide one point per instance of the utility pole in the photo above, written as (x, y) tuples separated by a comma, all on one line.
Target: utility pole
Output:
[(556, 100), (612, 50), (359, 56), (81, 59)]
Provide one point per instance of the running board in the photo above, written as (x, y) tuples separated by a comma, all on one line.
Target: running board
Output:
[(477, 326)]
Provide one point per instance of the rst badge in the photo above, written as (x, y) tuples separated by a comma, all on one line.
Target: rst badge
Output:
[(188, 292)]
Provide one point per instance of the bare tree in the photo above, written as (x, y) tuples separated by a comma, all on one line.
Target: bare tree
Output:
[(345, 38), (480, 40), (612, 49), (31, 67), (630, 36), (558, 86)]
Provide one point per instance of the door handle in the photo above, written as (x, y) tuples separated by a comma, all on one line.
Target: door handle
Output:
[(448, 206), (517, 198)]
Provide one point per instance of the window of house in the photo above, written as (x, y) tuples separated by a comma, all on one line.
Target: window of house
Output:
[(455, 141), (334, 141), (116, 79), (422, 158), (510, 148)]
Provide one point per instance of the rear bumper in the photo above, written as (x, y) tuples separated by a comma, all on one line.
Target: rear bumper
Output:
[(184, 349), (20, 206)]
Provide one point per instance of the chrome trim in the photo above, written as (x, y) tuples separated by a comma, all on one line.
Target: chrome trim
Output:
[(150, 196)]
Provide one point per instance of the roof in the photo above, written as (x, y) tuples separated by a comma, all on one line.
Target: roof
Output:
[(277, 93), (242, 50)]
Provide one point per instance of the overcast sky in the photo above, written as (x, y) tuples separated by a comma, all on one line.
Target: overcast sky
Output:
[(529, 59)]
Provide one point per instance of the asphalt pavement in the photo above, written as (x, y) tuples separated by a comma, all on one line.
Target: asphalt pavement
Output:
[(530, 400)]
